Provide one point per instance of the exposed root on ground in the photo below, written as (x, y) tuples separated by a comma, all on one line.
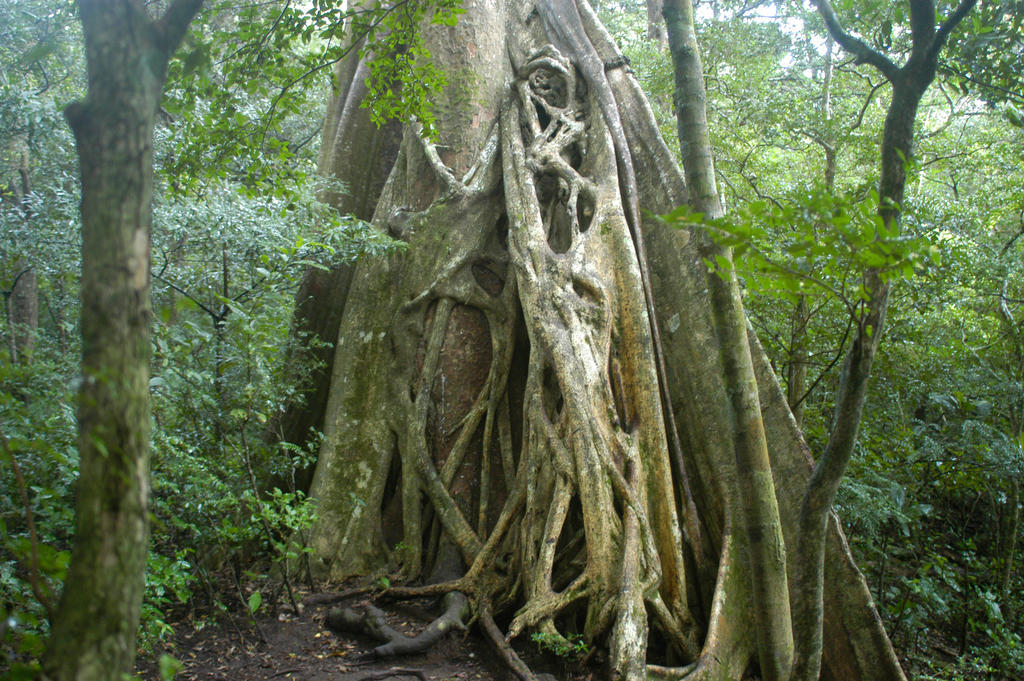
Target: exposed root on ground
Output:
[(371, 622), (393, 672)]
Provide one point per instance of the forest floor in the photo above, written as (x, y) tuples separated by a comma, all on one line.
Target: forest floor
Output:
[(289, 647)]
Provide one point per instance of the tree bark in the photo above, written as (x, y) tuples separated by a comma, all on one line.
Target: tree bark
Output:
[(359, 154), (94, 634), (755, 493)]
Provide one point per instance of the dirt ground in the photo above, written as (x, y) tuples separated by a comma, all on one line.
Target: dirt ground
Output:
[(287, 647)]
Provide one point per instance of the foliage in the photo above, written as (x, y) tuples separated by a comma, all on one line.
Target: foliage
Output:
[(239, 90), (816, 241), (989, 58), (39, 448), (571, 647)]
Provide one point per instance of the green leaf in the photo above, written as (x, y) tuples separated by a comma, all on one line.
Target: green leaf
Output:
[(42, 50), (255, 601), (169, 667)]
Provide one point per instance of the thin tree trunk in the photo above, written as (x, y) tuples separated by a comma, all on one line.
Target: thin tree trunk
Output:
[(756, 489), (21, 302), (1013, 331), (1010, 553), (24, 313), (796, 370), (94, 634), (655, 23), (909, 84)]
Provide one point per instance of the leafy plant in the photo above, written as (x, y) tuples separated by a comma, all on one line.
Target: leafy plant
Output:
[(570, 647)]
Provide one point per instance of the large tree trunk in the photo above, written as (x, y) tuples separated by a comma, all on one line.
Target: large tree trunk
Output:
[(349, 135), (94, 633), (499, 389)]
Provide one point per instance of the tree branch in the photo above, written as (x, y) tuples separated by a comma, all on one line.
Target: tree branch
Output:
[(858, 48), (922, 29), (867, 103), (1009, 244), (1009, 94), (951, 22), (174, 23), (214, 315), (835, 360)]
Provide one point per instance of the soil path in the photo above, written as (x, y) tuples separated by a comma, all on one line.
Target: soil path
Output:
[(303, 648)]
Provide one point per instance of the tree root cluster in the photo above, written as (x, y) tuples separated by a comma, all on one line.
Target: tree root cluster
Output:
[(551, 471)]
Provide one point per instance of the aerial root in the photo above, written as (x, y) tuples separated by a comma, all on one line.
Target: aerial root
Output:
[(330, 598), (544, 606), (372, 623), (514, 662), (685, 643), (660, 673)]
